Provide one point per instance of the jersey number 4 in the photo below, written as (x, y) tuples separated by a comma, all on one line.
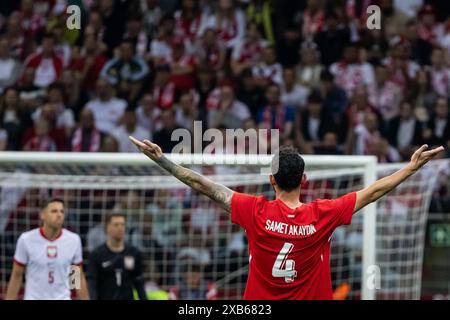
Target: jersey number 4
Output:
[(284, 267)]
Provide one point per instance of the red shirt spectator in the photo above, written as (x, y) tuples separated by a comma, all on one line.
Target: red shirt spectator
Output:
[(48, 67)]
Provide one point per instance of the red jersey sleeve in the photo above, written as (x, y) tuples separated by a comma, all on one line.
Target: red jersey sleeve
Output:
[(339, 211), (242, 209)]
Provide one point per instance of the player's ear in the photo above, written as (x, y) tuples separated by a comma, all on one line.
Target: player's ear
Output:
[(272, 180), (304, 179)]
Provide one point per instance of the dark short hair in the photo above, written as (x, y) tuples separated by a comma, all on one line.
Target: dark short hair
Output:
[(51, 201), (287, 168), (110, 216)]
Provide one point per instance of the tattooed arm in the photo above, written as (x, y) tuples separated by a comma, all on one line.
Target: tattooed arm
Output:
[(217, 192)]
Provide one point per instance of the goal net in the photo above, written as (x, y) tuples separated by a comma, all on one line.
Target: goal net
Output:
[(378, 256)]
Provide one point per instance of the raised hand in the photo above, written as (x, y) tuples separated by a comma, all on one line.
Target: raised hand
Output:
[(421, 157), (151, 150)]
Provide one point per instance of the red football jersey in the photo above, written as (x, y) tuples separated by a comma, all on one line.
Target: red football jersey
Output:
[(289, 249)]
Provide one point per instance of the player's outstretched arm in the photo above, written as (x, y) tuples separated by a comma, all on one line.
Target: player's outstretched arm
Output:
[(217, 192), (15, 282), (385, 185)]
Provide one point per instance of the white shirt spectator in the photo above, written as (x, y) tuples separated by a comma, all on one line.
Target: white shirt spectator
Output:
[(408, 8), (405, 133), (151, 123), (386, 99), (64, 117), (272, 72), (10, 70), (440, 81), (231, 31), (297, 97), (121, 135), (348, 76), (160, 49), (107, 113)]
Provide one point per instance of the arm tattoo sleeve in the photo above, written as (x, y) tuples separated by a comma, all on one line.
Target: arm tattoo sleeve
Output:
[(217, 192)]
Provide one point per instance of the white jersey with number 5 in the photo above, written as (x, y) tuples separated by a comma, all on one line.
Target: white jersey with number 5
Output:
[(48, 263)]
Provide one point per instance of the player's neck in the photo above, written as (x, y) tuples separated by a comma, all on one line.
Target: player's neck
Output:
[(115, 245), (51, 233), (290, 199)]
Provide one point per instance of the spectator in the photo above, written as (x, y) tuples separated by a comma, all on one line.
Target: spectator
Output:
[(163, 137), (163, 87), (399, 65), (313, 123), (420, 49), (188, 20), (86, 138), (48, 66), (329, 145), (192, 285), (437, 131), (224, 109), (422, 91), (161, 45), (32, 23), (405, 131), (14, 119), (152, 14), (351, 71), (268, 70), (312, 19), (20, 48), (261, 13), (129, 128), (363, 135), (293, 93), (89, 62), (41, 141), (248, 53), (429, 29), (106, 107), (148, 114), (385, 153), (210, 52), (126, 72), (332, 39), (109, 144), (394, 21), (115, 267), (182, 66), (384, 95), (10, 68), (62, 49), (249, 93), (186, 111), (309, 68), (205, 84), (64, 116), (335, 99), (30, 94), (440, 72), (275, 115), (228, 20), (136, 34), (359, 106)]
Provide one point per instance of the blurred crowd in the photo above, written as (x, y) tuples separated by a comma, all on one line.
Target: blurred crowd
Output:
[(311, 69)]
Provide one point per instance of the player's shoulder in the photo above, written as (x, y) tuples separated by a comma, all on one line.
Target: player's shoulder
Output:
[(131, 249), (70, 234), (30, 235)]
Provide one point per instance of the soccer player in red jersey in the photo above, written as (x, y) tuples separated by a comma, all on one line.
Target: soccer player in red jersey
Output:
[(289, 241)]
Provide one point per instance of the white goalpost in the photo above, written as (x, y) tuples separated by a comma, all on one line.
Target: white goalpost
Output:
[(379, 255)]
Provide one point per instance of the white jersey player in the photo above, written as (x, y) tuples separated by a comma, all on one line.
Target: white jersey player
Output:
[(51, 258)]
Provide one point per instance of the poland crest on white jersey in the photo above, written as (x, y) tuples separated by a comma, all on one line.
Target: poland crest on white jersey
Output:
[(48, 263)]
